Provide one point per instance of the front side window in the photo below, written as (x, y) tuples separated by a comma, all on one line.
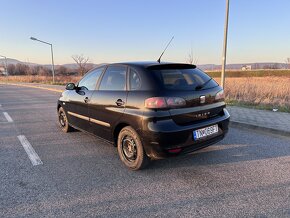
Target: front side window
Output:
[(114, 79), (90, 80)]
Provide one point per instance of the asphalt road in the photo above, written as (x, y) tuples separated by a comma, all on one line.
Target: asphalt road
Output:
[(245, 175)]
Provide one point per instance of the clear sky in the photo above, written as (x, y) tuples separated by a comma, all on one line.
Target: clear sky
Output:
[(128, 30)]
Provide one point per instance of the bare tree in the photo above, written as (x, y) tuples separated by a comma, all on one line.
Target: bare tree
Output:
[(21, 69), (11, 69), (34, 70), (82, 62), (44, 71), (191, 59), (62, 70)]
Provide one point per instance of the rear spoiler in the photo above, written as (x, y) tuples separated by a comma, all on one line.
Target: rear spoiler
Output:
[(171, 66)]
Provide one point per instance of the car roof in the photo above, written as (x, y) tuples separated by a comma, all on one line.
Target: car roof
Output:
[(155, 64)]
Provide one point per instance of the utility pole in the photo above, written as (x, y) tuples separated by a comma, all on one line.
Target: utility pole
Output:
[(224, 57), (52, 61)]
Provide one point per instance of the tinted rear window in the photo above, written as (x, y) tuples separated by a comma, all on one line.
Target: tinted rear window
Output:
[(184, 79)]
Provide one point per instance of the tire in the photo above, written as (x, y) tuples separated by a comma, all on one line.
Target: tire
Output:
[(130, 149), (63, 121)]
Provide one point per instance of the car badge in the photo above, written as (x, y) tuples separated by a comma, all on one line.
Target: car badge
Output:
[(202, 99)]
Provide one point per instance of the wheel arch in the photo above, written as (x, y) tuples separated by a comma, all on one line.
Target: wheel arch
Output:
[(117, 130)]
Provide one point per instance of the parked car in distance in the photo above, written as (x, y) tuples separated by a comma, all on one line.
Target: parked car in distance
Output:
[(149, 110)]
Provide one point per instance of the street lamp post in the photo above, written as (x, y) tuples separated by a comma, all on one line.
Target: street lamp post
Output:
[(6, 68), (224, 58), (52, 61)]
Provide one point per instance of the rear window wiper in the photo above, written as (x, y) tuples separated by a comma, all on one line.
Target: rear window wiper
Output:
[(199, 87)]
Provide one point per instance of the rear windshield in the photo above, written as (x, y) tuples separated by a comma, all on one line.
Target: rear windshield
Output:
[(184, 79)]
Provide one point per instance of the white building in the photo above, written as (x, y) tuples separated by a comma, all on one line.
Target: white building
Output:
[(2, 71), (247, 67)]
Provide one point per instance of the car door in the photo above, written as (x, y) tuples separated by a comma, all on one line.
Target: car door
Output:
[(79, 99), (108, 102)]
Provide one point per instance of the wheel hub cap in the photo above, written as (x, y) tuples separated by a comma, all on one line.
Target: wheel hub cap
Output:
[(129, 148), (62, 119)]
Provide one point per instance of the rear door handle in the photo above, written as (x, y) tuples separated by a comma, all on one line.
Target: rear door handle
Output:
[(86, 99), (120, 102)]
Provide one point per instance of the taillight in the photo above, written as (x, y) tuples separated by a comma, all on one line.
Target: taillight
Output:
[(220, 96), (156, 102), (175, 150), (164, 102)]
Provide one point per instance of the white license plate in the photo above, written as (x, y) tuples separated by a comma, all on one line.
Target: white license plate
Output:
[(204, 132)]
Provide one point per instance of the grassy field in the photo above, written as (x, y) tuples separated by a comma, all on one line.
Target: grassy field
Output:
[(259, 92), (265, 89), (251, 73), (59, 80)]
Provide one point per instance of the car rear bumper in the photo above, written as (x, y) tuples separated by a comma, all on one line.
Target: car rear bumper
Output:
[(165, 138)]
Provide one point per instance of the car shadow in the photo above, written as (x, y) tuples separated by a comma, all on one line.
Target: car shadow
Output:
[(238, 146)]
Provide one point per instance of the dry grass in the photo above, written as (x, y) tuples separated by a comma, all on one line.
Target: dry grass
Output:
[(262, 92), (60, 80), (252, 73), (268, 92)]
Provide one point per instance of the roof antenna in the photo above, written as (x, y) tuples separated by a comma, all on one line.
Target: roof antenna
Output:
[(165, 49)]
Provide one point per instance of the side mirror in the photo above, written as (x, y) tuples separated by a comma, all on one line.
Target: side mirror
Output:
[(70, 86)]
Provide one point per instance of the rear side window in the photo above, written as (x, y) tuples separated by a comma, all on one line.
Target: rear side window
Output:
[(135, 81), (114, 79), (184, 79), (90, 80)]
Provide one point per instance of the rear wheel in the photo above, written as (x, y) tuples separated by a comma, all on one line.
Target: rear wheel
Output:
[(130, 149), (63, 121)]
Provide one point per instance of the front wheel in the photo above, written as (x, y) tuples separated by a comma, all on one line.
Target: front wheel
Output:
[(63, 121), (130, 149)]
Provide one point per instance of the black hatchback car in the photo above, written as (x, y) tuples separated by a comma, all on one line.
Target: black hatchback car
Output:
[(149, 110)]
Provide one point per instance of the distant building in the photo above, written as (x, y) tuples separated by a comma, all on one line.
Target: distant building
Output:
[(2, 71), (247, 67)]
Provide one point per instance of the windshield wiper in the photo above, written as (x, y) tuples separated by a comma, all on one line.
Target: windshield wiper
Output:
[(202, 85)]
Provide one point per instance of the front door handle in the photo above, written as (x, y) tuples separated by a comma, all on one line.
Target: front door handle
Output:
[(120, 102), (86, 99)]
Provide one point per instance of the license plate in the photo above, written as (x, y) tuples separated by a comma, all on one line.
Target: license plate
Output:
[(204, 132)]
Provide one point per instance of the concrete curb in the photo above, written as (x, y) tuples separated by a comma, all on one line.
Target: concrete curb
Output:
[(31, 86), (259, 128)]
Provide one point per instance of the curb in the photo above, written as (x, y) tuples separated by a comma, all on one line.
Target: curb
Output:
[(36, 87), (259, 128)]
